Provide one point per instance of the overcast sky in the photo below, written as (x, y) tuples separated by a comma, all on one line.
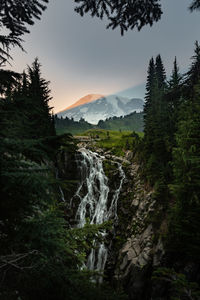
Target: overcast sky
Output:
[(79, 56)]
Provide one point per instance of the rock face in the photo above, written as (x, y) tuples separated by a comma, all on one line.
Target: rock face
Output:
[(141, 251)]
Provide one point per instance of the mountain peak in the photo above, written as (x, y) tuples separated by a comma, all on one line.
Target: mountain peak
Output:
[(84, 100)]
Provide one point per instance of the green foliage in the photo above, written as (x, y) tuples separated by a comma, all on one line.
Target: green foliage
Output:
[(178, 287), (71, 126), (131, 122), (186, 185), (156, 146), (170, 157), (115, 142)]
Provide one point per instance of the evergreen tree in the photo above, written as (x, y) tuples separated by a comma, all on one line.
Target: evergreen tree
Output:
[(156, 122), (174, 97), (176, 77), (160, 73), (8, 79), (184, 222), (184, 226), (149, 91), (39, 97), (149, 113), (193, 75)]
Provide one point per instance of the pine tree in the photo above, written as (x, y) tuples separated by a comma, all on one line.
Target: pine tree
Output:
[(174, 98), (149, 92), (176, 77), (193, 75), (156, 119), (39, 97), (184, 226), (184, 223), (149, 113)]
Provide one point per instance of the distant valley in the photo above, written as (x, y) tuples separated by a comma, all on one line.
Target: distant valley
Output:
[(131, 122)]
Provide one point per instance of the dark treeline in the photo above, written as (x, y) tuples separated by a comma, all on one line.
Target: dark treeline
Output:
[(170, 159), (131, 122), (71, 126)]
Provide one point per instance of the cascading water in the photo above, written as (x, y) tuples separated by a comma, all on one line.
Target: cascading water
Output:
[(93, 193)]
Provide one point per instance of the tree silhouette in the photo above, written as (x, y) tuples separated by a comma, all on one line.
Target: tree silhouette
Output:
[(126, 14), (15, 15)]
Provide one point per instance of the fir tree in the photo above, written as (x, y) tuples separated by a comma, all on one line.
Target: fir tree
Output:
[(185, 188), (156, 122), (184, 226), (149, 91), (160, 73), (149, 112), (174, 98), (176, 77), (39, 97), (193, 75)]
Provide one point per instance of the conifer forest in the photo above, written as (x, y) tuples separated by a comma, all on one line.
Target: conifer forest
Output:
[(106, 211)]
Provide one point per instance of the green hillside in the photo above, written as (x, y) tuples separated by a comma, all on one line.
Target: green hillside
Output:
[(131, 122), (114, 141)]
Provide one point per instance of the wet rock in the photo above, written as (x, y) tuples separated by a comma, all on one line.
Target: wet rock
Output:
[(129, 155)]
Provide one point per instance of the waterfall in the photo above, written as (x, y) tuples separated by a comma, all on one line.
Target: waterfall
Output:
[(93, 204), (113, 207), (93, 193)]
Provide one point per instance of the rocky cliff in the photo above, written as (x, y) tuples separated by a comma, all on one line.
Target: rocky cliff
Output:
[(142, 249)]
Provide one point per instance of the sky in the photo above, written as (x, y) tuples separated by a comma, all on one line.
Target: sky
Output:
[(80, 56)]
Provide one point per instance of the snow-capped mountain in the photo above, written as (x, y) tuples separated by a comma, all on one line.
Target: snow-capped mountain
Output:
[(84, 100), (103, 108)]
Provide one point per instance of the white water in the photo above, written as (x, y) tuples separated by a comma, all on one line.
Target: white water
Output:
[(93, 194)]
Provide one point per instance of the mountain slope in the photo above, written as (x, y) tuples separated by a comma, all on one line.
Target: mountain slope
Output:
[(104, 108), (87, 99)]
